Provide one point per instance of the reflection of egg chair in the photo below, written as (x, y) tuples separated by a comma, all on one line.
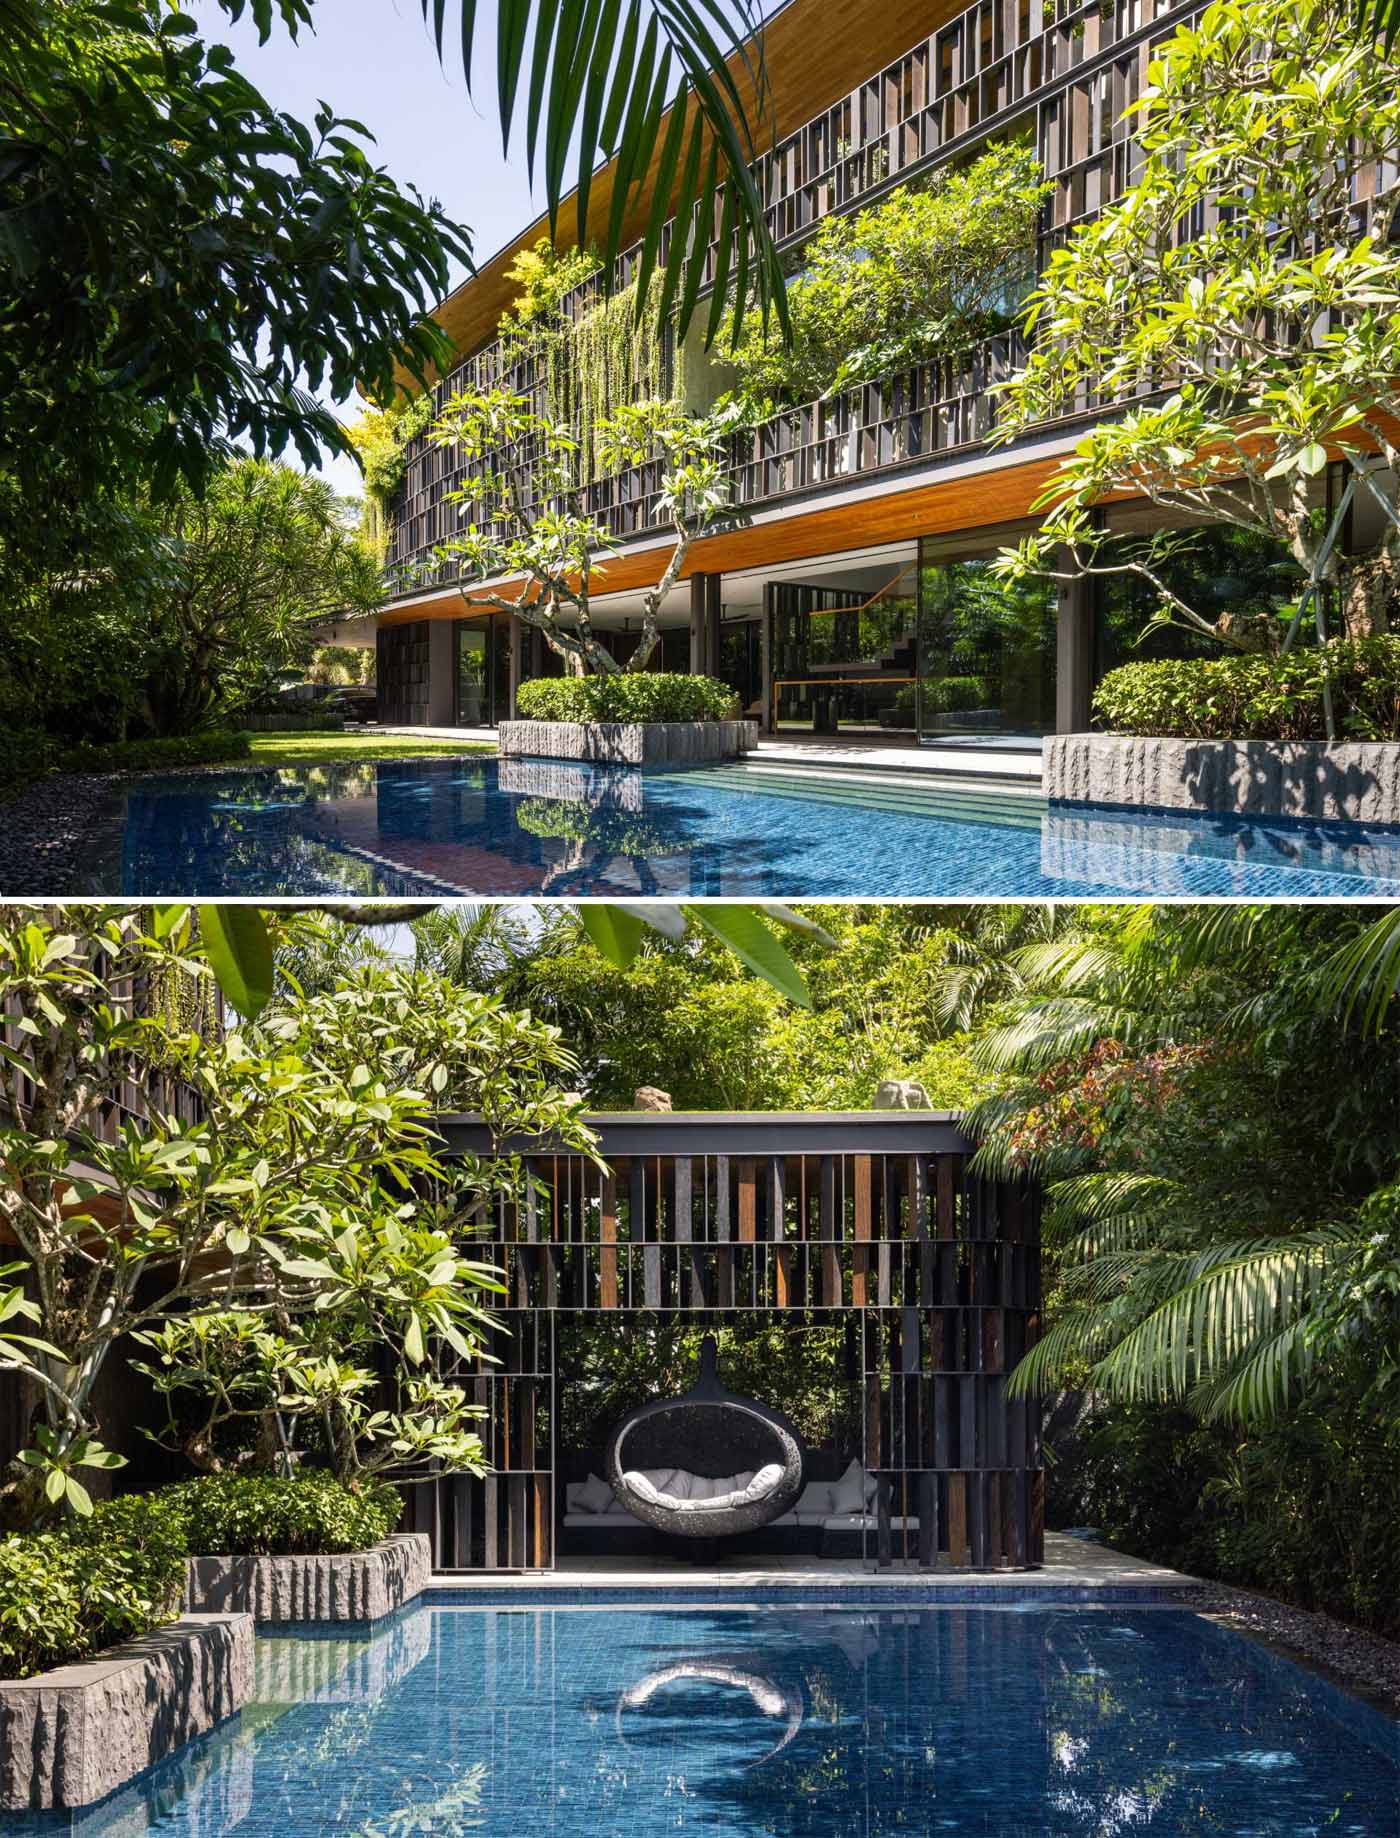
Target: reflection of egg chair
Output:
[(770, 1697), (706, 1464)]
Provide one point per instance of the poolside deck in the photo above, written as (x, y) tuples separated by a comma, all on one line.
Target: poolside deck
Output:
[(1070, 1564), (974, 761)]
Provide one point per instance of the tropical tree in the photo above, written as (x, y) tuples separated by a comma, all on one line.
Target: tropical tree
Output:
[(257, 562), (1245, 312), (524, 493), (288, 1170), (1213, 1245)]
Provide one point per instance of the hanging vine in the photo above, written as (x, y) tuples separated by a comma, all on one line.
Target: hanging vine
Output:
[(593, 363)]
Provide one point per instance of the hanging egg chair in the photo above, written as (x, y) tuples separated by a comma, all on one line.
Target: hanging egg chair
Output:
[(706, 1464)]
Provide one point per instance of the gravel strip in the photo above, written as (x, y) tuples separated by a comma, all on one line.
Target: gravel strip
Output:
[(46, 832), (45, 835), (1366, 1663)]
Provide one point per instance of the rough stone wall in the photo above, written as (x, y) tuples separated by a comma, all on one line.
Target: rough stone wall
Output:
[(1358, 781), (355, 1586), (74, 1735), (655, 743)]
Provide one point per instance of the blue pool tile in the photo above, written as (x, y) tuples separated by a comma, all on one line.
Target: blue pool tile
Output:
[(515, 828), (1026, 1720)]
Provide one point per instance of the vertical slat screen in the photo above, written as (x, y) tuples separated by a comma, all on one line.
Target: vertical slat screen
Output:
[(937, 1270)]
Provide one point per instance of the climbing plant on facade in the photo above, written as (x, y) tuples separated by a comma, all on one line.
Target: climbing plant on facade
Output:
[(526, 520), (924, 272)]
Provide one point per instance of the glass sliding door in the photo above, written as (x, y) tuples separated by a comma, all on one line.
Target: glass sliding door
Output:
[(473, 685), (986, 656), (483, 671)]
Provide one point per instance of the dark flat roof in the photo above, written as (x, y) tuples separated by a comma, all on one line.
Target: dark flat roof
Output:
[(714, 1132)]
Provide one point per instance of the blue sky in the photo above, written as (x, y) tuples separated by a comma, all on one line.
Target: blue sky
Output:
[(374, 60)]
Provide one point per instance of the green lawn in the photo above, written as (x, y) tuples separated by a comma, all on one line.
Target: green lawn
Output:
[(331, 749)]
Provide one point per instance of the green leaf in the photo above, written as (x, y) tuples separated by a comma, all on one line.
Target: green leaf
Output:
[(413, 1341), (238, 1240), (239, 950), (55, 1485), (753, 944), (615, 933), (79, 1498)]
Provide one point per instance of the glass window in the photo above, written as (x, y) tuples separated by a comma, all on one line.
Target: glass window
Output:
[(986, 654)]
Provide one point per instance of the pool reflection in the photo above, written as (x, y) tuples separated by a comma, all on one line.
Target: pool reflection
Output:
[(517, 828)]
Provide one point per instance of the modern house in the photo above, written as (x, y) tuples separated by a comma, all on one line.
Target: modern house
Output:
[(852, 590)]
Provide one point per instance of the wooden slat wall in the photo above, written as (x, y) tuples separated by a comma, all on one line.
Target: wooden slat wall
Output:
[(1067, 73), (938, 1271)]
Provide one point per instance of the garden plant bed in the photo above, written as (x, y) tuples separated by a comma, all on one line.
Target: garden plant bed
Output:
[(1351, 781), (348, 1586), (630, 743), (75, 1734)]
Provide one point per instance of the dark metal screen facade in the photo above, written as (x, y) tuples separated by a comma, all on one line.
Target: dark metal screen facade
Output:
[(872, 1217)]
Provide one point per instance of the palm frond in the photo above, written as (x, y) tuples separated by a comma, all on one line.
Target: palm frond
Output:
[(1365, 973), (674, 93)]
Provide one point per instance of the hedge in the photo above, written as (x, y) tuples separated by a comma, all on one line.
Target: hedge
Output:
[(1260, 698), (68, 1593), (26, 755), (261, 1515), (640, 696)]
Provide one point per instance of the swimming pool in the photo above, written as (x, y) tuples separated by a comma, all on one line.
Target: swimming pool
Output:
[(517, 827), (1023, 1721)]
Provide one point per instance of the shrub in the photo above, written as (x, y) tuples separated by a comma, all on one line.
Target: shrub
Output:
[(1260, 698), (26, 755), (85, 1585), (147, 755), (626, 696), (261, 1515)]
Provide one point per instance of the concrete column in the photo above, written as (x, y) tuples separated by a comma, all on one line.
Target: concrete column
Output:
[(714, 607), (699, 654), (442, 673), (517, 659), (1074, 656), (765, 720)]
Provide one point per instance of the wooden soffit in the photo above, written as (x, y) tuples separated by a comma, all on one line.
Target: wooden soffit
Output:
[(815, 53), (976, 501)]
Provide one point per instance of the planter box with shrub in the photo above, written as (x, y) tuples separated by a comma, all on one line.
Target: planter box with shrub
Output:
[(77, 1732), (1244, 735), (642, 719), (98, 1677), (298, 1550)]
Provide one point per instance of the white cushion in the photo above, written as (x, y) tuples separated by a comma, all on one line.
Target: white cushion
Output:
[(864, 1522), (595, 1496), (815, 1497), (683, 1492), (764, 1482), (853, 1492), (571, 1492)]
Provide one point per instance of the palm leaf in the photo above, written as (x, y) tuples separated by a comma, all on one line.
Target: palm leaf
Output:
[(596, 77)]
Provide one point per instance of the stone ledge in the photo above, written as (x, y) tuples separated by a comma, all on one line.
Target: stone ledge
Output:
[(629, 743), (76, 1734), (1354, 781), (350, 1586)]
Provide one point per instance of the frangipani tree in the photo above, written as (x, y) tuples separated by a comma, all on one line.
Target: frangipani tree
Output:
[(1246, 308), (287, 1170), (525, 497)]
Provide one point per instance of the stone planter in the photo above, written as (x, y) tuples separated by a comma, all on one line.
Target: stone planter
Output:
[(1355, 781), (629, 743), (76, 1734), (352, 1586)]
